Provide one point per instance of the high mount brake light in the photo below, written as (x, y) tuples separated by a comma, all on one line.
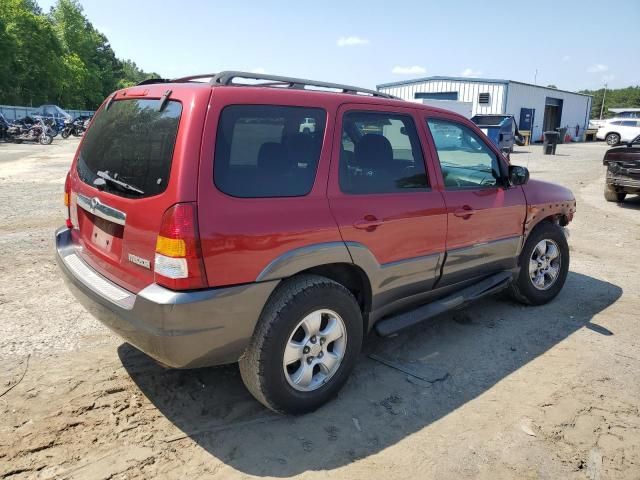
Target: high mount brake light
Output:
[(178, 261)]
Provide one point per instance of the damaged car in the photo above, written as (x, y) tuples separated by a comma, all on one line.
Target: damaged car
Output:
[(623, 171)]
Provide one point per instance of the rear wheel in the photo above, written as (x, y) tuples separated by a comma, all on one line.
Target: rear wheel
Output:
[(612, 195), (305, 345), (544, 264), (612, 139)]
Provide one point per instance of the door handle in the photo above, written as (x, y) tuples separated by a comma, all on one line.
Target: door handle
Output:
[(465, 212), (369, 223)]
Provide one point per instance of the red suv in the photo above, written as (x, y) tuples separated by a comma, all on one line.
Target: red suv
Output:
[(209, 224)]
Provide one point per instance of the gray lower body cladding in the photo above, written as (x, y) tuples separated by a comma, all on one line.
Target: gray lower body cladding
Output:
[(178, 329)]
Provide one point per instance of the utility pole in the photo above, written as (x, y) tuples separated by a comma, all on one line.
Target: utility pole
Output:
[(535, 77), (604, 94)]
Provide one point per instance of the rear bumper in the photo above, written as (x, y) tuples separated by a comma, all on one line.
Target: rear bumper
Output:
[(178, 329)]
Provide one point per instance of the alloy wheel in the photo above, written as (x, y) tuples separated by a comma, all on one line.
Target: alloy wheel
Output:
[(315, 350)]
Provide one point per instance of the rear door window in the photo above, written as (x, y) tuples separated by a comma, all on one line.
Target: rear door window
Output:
[(380, 153), (131, 142), (268, 150)]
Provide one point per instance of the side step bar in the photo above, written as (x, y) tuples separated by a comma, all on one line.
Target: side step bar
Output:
[(484, 287)]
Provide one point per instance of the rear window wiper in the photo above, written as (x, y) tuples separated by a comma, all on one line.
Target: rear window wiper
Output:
[(105, 176)]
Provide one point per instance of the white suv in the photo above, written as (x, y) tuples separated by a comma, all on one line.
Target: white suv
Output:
[(619, 131)]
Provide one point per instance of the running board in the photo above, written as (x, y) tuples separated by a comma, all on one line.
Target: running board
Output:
[(478, 290)]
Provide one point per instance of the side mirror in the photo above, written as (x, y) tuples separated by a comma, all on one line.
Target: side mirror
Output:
[(518, 175)]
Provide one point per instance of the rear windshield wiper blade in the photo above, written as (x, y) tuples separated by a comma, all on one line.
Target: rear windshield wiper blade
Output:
[(105, 175)]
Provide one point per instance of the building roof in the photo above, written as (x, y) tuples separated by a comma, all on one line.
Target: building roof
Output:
[(471, 80)]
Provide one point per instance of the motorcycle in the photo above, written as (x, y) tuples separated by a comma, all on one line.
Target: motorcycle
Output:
[(76, 128), (52, 125), (24, 131)]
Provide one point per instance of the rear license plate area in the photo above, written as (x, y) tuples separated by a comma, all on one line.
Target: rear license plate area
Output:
[(101, 235)]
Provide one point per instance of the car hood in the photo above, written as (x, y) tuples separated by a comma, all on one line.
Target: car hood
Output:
[(540, 192)]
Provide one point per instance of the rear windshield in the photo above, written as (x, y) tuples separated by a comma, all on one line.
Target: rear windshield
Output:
[(130, 146)]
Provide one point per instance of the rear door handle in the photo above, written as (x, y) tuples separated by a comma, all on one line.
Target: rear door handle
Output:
[(369, 223), (465, 212)]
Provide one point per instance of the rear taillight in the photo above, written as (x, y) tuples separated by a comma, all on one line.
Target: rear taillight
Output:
[(67, 199), (178, 261)]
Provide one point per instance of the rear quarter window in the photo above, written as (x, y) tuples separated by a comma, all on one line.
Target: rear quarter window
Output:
[(268, 150), (134, 143)]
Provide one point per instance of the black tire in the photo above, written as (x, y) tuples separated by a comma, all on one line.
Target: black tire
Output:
[(522, 288), (65, 133), (45, 139), (261, 366), (612, 139), (612, 195)]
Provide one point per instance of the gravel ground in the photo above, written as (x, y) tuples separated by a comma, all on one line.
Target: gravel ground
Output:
[(504, 391)]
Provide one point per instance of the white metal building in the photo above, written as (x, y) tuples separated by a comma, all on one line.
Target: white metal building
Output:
[(535, 108)]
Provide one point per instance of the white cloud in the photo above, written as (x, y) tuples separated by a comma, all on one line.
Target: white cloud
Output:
[(470, 72), (412, 70), (259, 70), (599, 68), (566, 58), (351, 41)]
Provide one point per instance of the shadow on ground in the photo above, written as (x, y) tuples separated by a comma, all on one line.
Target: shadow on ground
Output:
[(463, 354), (632, 202)]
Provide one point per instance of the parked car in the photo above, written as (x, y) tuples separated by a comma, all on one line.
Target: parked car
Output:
[(205, 228), (502, 130), (619, 131), (623, 171)]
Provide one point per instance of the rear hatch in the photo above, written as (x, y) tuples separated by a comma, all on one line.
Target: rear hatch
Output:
[(127, 173)]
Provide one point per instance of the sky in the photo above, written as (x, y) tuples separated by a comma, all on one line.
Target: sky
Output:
[(573, 45)]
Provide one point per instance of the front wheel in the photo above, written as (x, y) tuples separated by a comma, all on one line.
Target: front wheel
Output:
[(305, 345), (544, 265), (612, 195), (46, 139), (65, 133)]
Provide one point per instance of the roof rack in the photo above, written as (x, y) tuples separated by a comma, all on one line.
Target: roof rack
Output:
[(227, 77)]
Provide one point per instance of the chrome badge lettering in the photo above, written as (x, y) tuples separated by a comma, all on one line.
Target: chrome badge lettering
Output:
[(143, 262)]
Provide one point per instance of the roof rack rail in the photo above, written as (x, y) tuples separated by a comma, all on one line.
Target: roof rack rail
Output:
[(227, 77), (151, 81), (194, 77)]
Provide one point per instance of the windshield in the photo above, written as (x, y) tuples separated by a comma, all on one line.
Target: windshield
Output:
[(133, 143)]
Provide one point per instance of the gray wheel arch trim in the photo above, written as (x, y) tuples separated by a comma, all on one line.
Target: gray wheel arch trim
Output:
[(388, 282), (299, 259)]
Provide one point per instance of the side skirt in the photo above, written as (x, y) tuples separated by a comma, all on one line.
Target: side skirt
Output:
[(489, 285)]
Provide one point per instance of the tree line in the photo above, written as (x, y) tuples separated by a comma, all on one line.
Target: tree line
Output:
[(58, 57), (618, 98)]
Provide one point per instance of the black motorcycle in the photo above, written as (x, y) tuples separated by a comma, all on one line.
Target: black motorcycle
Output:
[(76, 128)]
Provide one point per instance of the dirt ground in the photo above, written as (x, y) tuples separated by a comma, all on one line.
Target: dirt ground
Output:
[(499, 391)]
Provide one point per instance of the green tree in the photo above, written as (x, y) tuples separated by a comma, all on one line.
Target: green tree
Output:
[(57, 57), (617, 98)]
